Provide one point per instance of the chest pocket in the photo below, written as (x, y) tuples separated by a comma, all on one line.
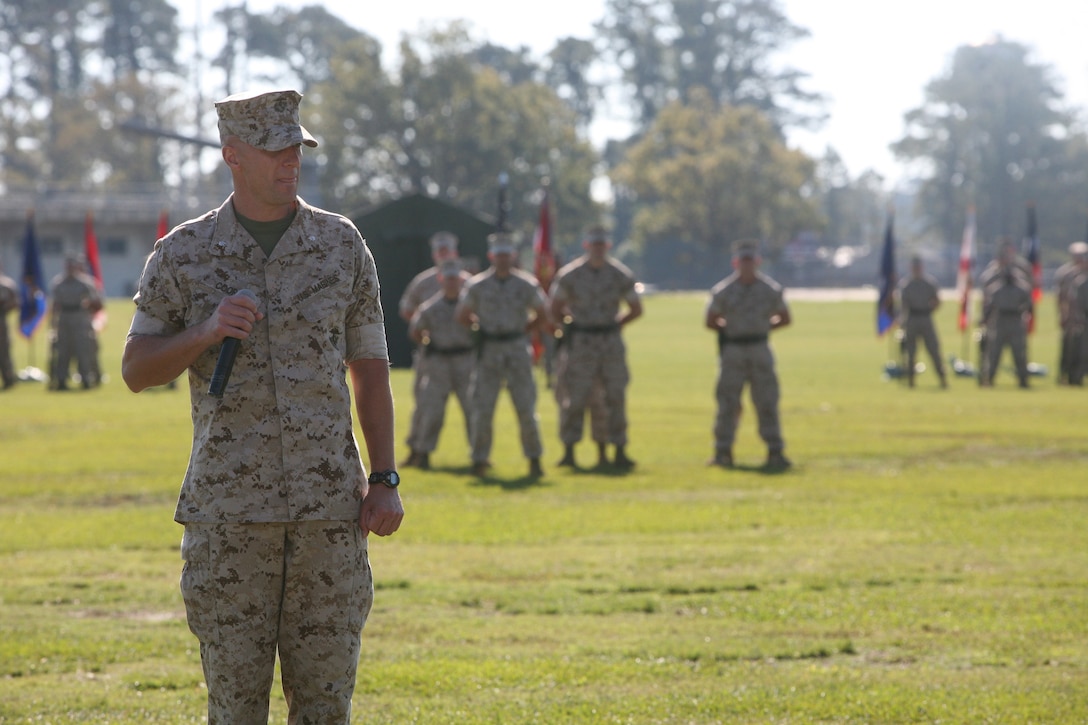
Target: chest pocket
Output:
[(318, 322)]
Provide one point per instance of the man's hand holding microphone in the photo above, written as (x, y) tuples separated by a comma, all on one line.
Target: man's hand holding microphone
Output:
[(234, 319)]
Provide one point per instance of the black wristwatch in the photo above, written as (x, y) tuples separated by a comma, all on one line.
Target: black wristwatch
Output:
[(390, 479)]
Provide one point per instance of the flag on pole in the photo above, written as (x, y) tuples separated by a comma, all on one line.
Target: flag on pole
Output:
[(1031, 254), (500, 217), (963, 277), (31, 283), (543, 259), (94, 266), (885, 304), (164, 225)]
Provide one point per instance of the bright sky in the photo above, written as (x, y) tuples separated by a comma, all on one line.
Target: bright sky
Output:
[(871, 59)]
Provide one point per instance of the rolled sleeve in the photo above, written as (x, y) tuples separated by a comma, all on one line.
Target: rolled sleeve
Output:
[(367, 342), (144, 324)]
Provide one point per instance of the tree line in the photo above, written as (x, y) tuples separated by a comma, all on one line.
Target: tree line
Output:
[(709, 103)]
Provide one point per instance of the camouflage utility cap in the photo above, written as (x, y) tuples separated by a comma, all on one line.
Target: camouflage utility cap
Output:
[(449, 268), (500, 243), (746, 249), (266, 121), (597, 234), (443, 240)]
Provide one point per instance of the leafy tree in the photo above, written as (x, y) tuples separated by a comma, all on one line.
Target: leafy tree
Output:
[(304, 41), (711, 174), (58, 54), (568, 74), (992, 131), (667, 48), (853, 208), (138, 35), (447, 126)]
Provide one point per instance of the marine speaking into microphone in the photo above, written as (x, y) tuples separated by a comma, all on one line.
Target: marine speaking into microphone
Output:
[(227, 354)]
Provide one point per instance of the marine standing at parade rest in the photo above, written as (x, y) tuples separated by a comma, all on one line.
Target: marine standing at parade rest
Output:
[(919, 298), (9, 301), (503, 304), (587, 295), (75, 301), (445, 360), (275, 503), (421, 288), (1007, 260), (1077, 323), (1008, 305), (1070, 322), (743, 309)]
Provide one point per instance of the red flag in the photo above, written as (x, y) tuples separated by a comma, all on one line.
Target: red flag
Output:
[(543, 260), (164, 226), (90, 250), (963, 278), (1031, 253), (94, 266)]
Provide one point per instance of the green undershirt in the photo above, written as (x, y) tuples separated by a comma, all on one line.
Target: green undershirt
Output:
[(266, 234)]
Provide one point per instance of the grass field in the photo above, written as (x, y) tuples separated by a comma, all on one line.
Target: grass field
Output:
[(925, 561)]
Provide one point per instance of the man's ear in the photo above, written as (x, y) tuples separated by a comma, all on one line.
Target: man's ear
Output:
[(230, 156)]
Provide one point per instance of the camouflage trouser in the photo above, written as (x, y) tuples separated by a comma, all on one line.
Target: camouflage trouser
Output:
[(75, 339), (598, 413), (7, 370), (588, 362), (752, 364), (922, 327), (440, 375), (1009, 331), (417, 380), (1073, 357), (510, 362), (303, 589)]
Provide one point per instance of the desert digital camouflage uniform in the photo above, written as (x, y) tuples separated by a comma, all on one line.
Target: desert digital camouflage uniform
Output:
[(1070, 322), (420, 289), (746, 357), (275, 459), (75, 298), (1079, 312), (1009, 301), (1008, 259), (1077, 325), (592, 352), (503, 306), (918, 298), (445, 367), (9, 301)]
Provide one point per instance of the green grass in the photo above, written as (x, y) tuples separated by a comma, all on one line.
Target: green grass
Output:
[(924, 561)]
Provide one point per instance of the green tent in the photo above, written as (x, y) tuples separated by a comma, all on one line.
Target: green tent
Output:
[(398, 234)]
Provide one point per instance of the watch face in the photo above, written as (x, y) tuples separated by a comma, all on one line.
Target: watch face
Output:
[(386, 478)]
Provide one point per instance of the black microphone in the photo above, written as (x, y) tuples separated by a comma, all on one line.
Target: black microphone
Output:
[(227, 353)]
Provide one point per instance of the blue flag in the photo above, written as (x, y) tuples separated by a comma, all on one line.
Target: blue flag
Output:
[(31, 284), (885, 304)]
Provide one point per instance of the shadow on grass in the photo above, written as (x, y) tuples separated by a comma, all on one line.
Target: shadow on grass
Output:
[(516, 483), (762, 469), (600, 469)]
